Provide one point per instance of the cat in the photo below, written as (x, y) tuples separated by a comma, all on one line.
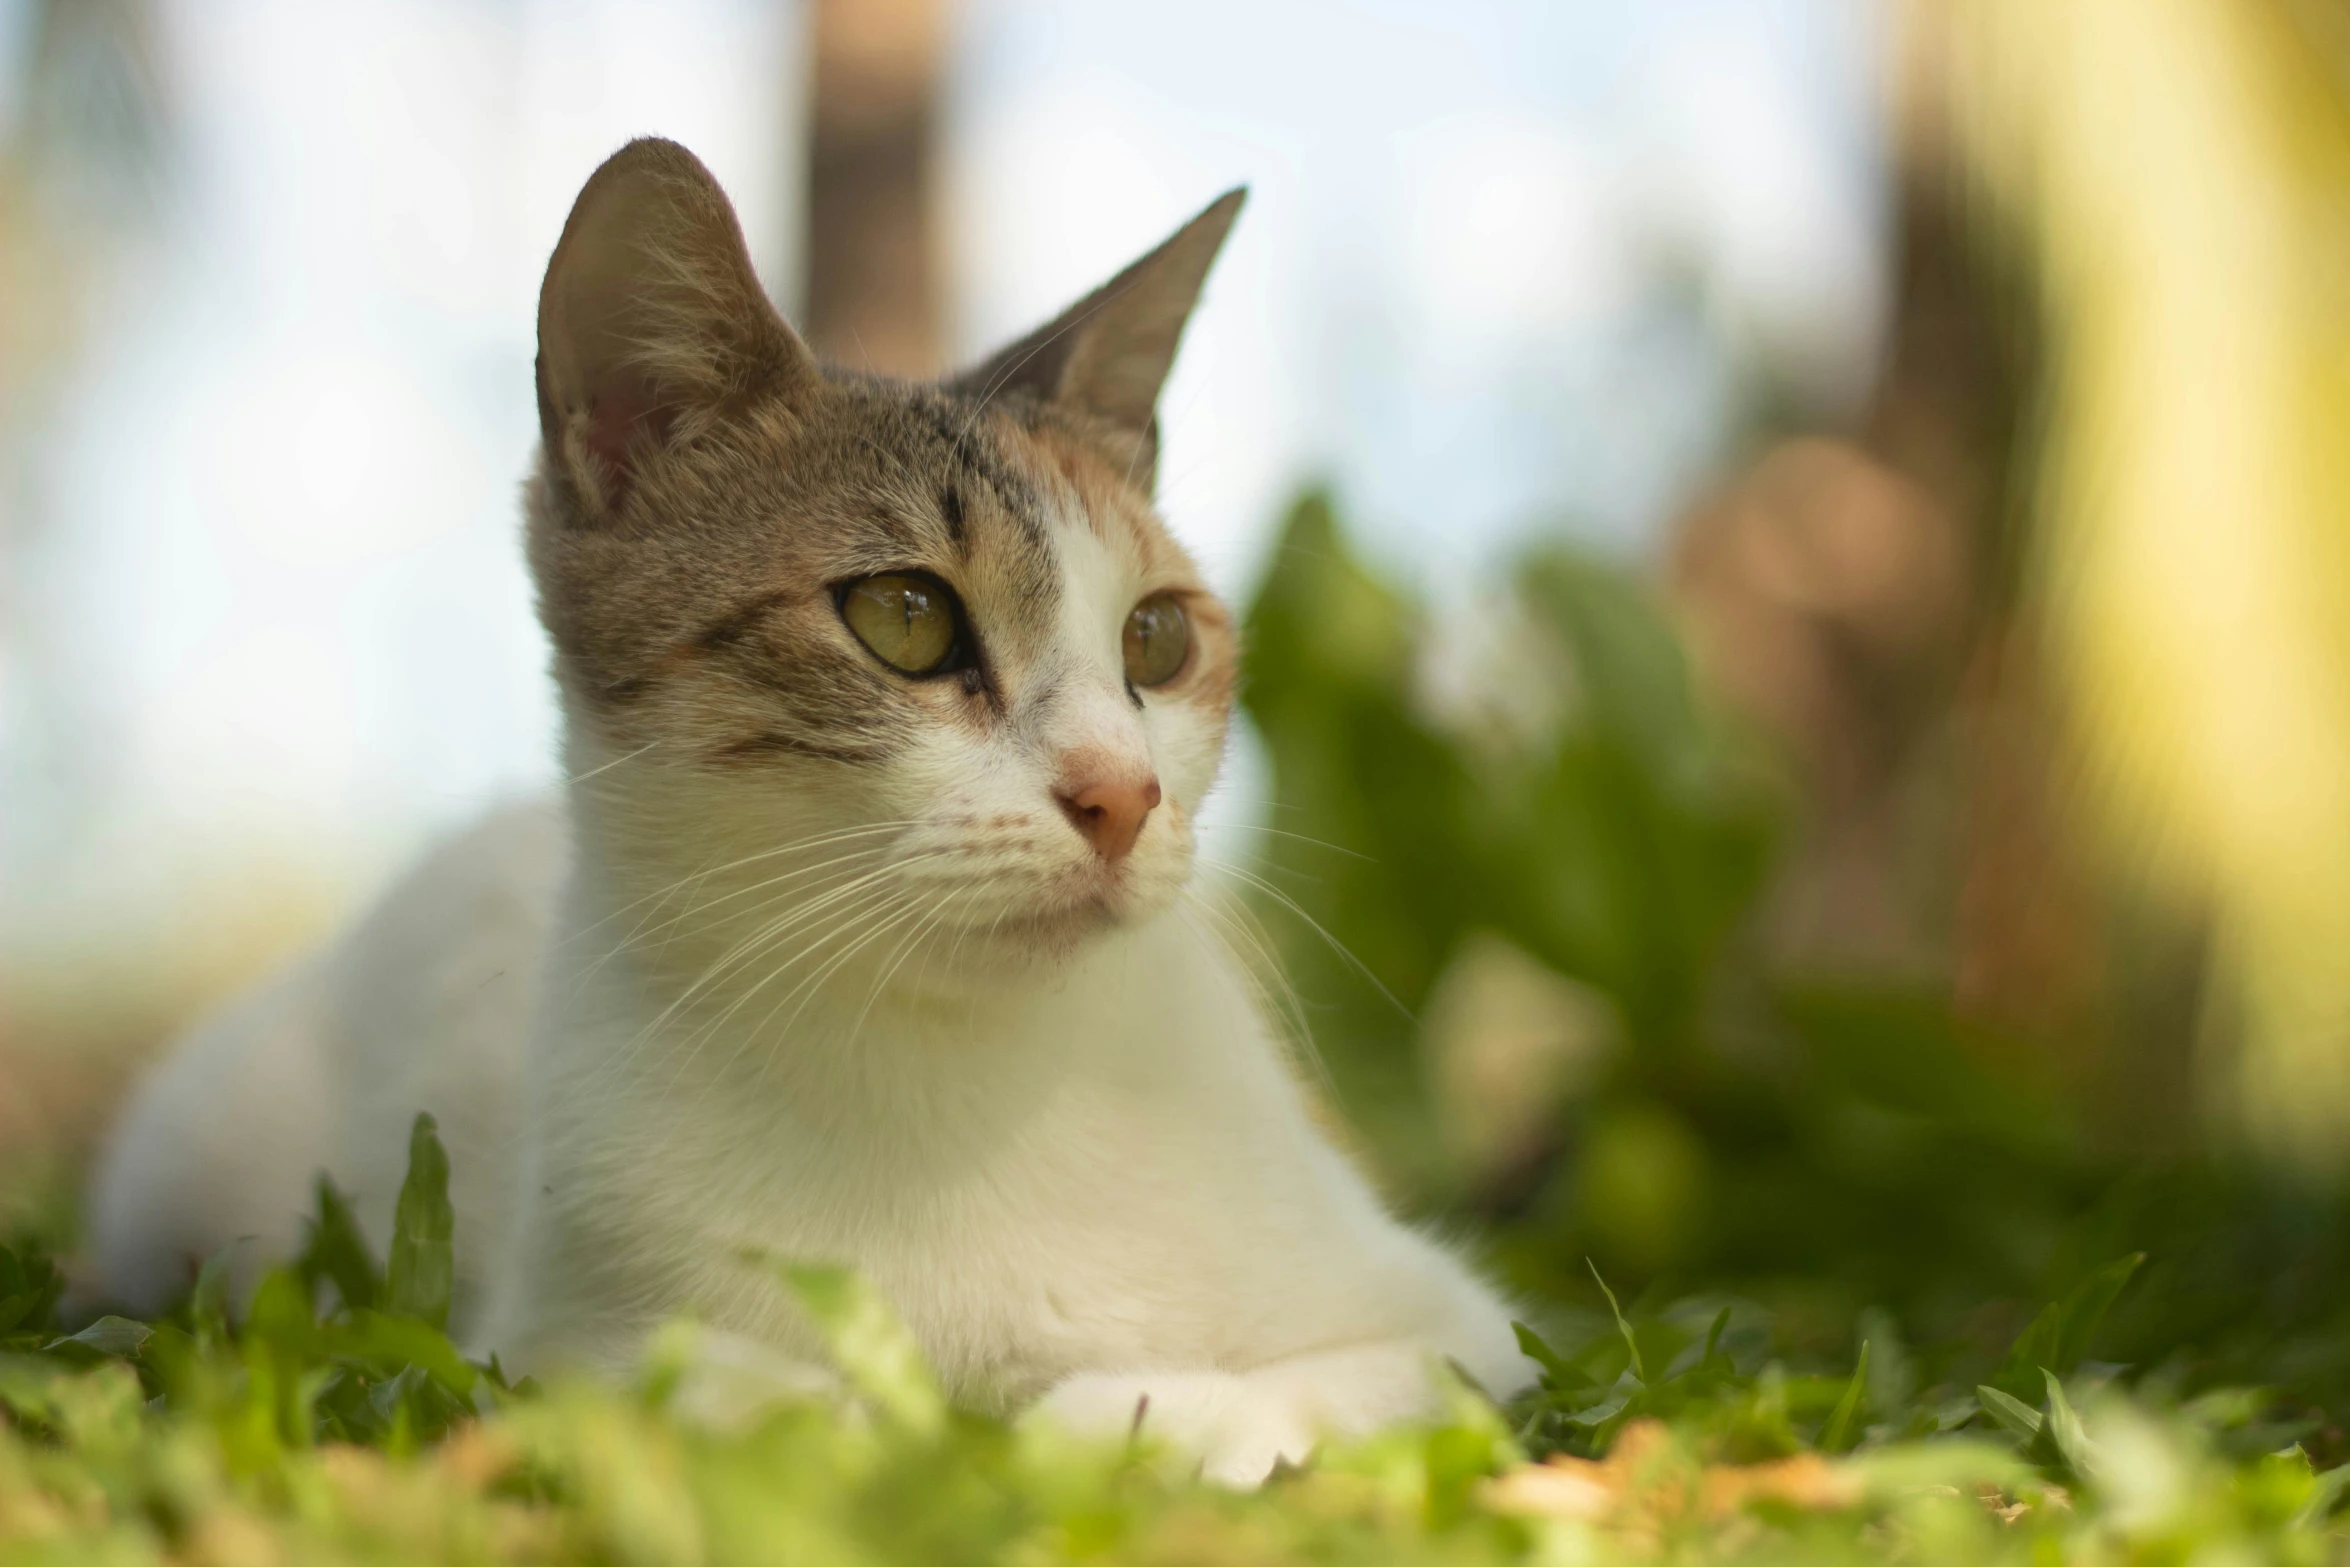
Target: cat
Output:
[(864, 930)]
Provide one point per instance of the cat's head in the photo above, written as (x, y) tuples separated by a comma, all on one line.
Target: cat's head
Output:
[(928, 649)]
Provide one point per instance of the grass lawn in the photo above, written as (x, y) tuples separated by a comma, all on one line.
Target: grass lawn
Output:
[(361, 1435)]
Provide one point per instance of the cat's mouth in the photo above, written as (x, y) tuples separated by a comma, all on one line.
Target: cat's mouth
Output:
[(1028, 903)]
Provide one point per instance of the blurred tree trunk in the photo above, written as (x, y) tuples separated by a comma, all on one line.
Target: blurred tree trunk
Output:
[(873, 265), (1839, 586), (1858, 596), (2026, 931)]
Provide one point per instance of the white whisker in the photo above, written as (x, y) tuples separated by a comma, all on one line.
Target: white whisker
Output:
[(1316, 926)]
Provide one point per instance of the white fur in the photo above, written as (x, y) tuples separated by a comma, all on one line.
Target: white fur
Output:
[(907, 1022)]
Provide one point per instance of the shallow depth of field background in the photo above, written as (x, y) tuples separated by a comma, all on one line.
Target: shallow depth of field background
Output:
[(1796, 556)]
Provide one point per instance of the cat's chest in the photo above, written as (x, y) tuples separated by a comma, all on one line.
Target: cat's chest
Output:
[(1086, 1236), (1101, 1187), (1009, 1296)]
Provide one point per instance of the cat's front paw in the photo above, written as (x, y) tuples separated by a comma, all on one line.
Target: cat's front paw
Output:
[(1237, 1429)]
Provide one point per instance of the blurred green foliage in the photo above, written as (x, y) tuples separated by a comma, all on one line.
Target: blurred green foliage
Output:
[(1824, 1143)]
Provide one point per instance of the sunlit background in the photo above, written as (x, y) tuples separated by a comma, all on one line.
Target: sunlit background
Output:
[(1960, 381)]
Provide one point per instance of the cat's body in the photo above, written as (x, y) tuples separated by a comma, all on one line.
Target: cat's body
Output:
[(866, 932), (427, 1002)]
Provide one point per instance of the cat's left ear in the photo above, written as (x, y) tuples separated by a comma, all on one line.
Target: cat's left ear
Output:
[(1107, 356)]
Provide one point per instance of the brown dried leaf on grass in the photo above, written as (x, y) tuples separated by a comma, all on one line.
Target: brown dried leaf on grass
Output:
[(1647, 1475)]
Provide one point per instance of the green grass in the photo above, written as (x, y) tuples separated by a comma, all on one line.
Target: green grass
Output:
[(359, 1434), (1818, 1268)]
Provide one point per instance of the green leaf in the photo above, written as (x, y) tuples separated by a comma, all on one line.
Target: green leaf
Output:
[(208, 1301), (2034, 1349), (411, 1407), (1713, 1338), (335, 1251), (1557, 1374), (1892, 1375), (1600, 1413), (116, 1337), (2325, 1494), (1837, 1436), (2059, 1336), (2086, 1307), (386, 1345), (422, 1266), (869, 1344), (280, 1315), (2063, 1430), (2010, 1413)]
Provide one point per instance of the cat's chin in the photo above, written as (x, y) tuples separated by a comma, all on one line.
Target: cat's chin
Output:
[(1059, 933), (1042, 939)]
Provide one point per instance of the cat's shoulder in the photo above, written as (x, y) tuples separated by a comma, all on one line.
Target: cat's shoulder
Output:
[(460, 931), (504, 867)]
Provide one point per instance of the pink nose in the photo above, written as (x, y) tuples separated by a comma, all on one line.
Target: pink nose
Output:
[(1109, 812)]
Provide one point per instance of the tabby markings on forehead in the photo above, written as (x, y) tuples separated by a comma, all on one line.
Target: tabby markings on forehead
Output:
[(957, 427), (947, 434), (950, 506)]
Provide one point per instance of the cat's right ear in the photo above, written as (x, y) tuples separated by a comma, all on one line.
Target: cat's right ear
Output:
[(651, 322)]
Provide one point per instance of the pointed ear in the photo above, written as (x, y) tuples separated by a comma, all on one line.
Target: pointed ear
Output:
[(1106, 356), (651, 321)]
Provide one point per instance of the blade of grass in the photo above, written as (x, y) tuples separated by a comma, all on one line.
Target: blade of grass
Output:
[(2010, 1413), (1837, 1437), (335, 1250), (1625, 1328), (422, 1267)]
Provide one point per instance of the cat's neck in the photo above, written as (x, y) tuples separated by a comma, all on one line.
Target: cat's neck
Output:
[(899, 1081)]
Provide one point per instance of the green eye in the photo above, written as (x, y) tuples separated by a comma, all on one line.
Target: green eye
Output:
[(909, 622), (1158, 640)]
